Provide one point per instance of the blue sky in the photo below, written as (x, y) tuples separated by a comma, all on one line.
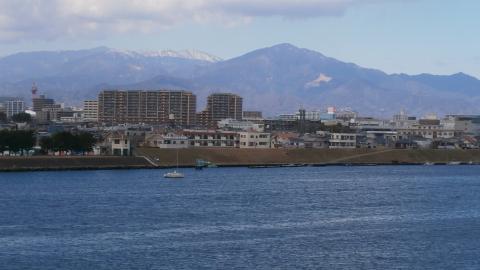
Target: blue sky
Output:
[(410, 36)]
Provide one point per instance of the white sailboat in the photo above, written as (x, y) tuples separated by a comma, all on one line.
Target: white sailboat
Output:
[(174, 174)]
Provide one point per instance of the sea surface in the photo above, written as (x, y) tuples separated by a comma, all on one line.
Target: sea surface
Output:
[(381, 217)]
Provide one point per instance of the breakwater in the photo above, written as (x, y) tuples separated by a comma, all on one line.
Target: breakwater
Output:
[(45, 163), (252, 157), (164, 158)]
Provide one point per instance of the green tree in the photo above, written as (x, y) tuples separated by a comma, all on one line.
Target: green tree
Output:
[(16, 140), (46, 143), (4, 140), (22, 118), (63, 141), (3, 117), (84, 142)]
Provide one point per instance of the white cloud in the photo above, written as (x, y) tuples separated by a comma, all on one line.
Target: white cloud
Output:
[(52, 19)]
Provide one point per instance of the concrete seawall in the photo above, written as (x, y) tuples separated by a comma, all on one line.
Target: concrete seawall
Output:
[(44, 163), (162, 158), (247, 157)]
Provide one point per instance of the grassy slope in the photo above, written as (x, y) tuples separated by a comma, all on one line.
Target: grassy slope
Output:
[(167, 157)]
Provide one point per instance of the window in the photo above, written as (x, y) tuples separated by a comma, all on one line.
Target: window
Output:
[(116, 141)]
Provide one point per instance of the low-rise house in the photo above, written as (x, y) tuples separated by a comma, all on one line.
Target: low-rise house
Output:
[(318, 140), (211, 138), (249, 139), (286, 140), (169, 140), (406, 144), (381, 138), (118, 144), (469, 142), (343, 140), (234, 124)]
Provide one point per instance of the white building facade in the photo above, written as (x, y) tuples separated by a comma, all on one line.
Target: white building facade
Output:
[(260, 140)]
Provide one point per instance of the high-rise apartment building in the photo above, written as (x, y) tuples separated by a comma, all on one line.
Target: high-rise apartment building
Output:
[(41, 102), (13, 107), (220, 106), (90, 110), (153, 107)]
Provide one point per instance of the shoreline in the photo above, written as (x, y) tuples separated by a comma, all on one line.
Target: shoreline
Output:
[(250, 166), (150, 158)]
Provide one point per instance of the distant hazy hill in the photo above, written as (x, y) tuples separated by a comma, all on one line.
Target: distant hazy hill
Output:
[(277, 79)]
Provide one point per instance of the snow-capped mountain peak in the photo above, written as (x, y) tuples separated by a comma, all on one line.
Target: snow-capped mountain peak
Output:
[(187, 54)]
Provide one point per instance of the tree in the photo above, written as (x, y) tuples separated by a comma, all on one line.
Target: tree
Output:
[(63, 141), (84, 142), (67, 141), (3, 117), (46, 143), (22, 118), (16, 140), (4, 140)]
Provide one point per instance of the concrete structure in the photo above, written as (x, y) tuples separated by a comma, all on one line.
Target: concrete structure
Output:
[(166, 141), (342, 140), (233, 124), (468, 124), (260, 140), (49, 113), (211, 138), (252, 115), (13, 107), (175, 108), (316, 141), (119, 144), (428, 129), (376, 138), (288, 117), (41, 102), (220, 106), (90, 110)]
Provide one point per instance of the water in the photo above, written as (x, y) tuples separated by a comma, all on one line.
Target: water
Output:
[(405, 217)]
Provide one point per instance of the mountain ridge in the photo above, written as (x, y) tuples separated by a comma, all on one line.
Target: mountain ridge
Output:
[(276, 79)]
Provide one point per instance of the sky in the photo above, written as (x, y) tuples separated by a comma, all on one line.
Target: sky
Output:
[(409, 36)]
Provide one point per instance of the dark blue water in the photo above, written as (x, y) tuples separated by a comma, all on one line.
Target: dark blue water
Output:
[(424, 217)]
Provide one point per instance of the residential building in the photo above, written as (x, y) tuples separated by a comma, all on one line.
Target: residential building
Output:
[(288, 117), (13, 107), (428, 129), (375, 138), (468, 124), (233, 124), (342, 140), (175, 108), (220, 106), (48, 113), (211, 138), (320, 139), (41, 102), (166, 141), (259, 140), (119, 144), (285, 139), (90, 110), (314, 115), (252, 115)]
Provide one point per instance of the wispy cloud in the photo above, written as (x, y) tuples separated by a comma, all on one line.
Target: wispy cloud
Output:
[(52, 19)]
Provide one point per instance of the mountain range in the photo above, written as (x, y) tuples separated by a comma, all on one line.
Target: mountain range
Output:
[(277, 79)]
